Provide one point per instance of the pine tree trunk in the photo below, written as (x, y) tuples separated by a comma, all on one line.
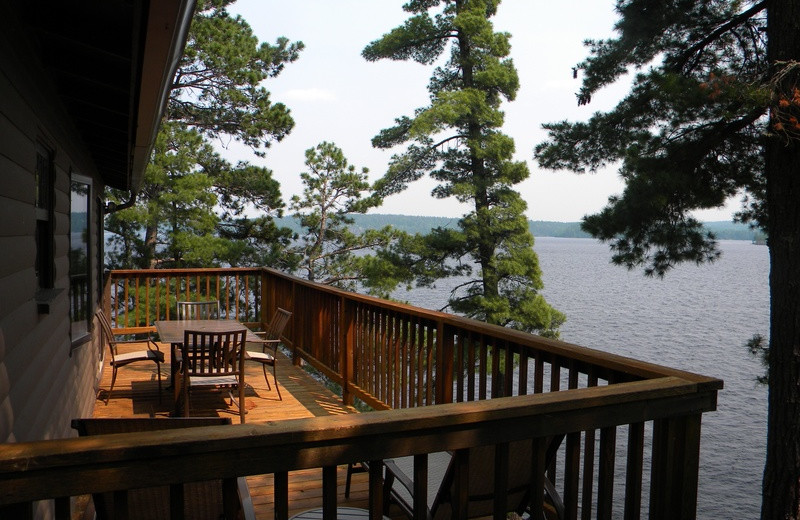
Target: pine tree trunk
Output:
[(781, 492), (150, 241)]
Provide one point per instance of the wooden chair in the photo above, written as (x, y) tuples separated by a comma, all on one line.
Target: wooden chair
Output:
[(399, 482), (212, 500), (205, 310), (152, 353), (213, 359), (269, 340)]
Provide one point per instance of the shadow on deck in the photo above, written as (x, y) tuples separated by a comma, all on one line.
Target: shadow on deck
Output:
[(136, 395)]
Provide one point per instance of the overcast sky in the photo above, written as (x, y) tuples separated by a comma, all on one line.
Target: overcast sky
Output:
[(335, 95)]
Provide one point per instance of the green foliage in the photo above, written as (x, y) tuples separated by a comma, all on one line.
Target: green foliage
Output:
[(758, 348), (688, 135), (217, 88), (330, 251), (456, 140), (190, 211), (713, 112)]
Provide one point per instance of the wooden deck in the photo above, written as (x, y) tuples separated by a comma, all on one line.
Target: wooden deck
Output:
[(136, 395)]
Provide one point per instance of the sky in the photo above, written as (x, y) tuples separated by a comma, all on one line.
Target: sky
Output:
[(335, 95)]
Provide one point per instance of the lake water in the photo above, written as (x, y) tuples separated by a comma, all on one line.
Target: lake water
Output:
[(697, 319)]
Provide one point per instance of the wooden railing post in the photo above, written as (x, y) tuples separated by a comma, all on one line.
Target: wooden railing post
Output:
[(267, 298), (676, 464), (106, 303), (346, 346), (445, 350), (297, 321)]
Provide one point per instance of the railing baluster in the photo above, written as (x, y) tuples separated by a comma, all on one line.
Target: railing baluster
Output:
[(136, 304), (483, 368), (421, 486), (471, 367), (572, 464), (522, 382), (460, 497), (281, 492), (496, 381), (62, 509), (405, 356), (500, 481), (588, 462), (605, 470), (126, 301), (375, 490), (536, 496), (429, 379), (633, 473), (329, 492)]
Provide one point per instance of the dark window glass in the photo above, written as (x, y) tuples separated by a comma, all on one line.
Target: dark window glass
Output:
[(80, 281)]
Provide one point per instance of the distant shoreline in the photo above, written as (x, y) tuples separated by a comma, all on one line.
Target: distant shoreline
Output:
[(723, 230)]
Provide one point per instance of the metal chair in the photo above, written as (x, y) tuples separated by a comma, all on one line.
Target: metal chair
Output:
[(120, 360), (213, 359), (399, 482), (203, 310), (269, 340)]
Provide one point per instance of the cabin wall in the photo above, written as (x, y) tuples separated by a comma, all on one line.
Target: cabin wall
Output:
[(45, 380)]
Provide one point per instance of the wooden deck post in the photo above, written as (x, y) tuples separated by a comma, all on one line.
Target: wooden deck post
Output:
[(676, 464), (445, 350), (266, 303), (346, 345)]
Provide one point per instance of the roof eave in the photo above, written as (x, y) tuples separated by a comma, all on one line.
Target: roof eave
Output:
[(164, 40)]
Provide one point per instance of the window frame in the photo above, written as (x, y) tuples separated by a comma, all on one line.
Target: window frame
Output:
[(81, 328)]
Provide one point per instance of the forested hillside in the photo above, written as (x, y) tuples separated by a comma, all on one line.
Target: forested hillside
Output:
[(540, 228)]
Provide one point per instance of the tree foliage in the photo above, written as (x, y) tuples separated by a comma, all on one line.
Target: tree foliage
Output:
[(688, 135), (190, 211), (712, 112), (331, 252), (457, 141)]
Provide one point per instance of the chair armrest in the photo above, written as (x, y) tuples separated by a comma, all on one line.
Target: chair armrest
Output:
[(247, 502), (395, 474)]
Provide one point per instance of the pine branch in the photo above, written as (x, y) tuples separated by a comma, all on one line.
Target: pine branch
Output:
[(734, 22)]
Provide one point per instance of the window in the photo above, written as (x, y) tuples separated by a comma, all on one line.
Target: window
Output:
[(80, 279), (45, 271)]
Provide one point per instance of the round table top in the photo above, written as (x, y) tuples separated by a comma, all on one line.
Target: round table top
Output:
[(342, 513)]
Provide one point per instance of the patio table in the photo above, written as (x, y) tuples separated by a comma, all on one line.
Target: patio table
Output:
[(172, 332)]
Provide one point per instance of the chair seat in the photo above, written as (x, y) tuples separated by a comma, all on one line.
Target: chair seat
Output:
[(139, 355), (262, 357)]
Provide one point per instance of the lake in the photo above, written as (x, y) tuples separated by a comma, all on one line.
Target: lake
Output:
[(697, 318)]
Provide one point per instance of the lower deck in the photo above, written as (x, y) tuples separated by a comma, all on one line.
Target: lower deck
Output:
[(136, 394)]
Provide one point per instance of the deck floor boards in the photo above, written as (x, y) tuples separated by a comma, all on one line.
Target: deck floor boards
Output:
[(136, 395)]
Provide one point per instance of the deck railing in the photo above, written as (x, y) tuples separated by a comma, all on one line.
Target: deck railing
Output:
[(494, 386)]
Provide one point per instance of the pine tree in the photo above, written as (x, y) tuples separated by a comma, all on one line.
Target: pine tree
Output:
[(713, 112), (190, 209), (331, 250), (457, 141)]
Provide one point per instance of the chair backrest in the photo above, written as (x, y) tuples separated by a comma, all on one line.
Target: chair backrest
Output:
[(201, 499), (213, 354), (481, 479), (205, 310), (108, 333), (277, 324)]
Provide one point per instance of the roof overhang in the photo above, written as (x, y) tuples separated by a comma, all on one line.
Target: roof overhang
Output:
[(112, 63)]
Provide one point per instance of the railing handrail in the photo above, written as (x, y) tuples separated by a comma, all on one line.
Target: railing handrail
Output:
[(607, 360), (67, 467)]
